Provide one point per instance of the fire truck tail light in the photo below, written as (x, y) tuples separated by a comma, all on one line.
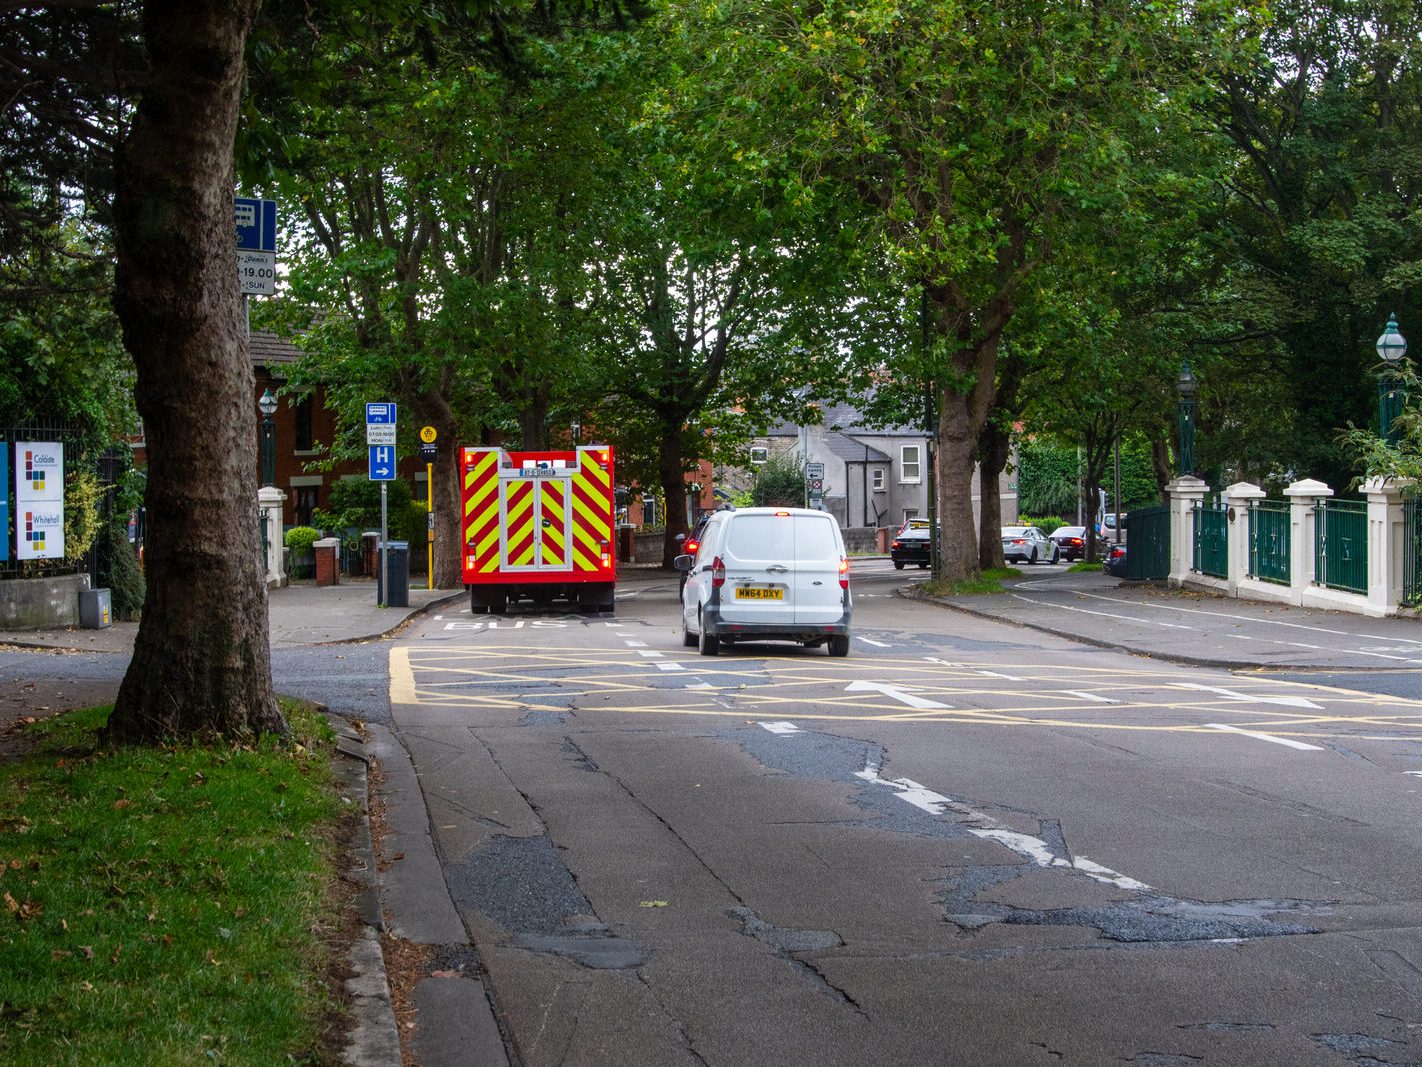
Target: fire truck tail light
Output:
[(469, 563)]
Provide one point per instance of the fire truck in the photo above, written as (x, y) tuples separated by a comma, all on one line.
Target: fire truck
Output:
[(538, 525)]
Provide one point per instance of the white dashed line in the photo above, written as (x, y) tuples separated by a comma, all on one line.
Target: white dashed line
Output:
[(670, 666), (653, 654), (1004, 677), (634, 644), (1290, 742), (876, 644), (1089, 696), (780, 727)]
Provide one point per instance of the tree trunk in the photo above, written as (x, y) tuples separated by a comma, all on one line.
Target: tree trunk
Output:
[(996, 450), (449, 511), (673, 481), (202, 659), (1160, 464), (957, 452)]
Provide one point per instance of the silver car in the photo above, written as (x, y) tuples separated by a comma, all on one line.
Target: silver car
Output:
[(1027, 544)]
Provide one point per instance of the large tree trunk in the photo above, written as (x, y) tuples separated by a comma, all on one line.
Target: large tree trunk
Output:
[(673, 479), (449, 512), (957, 453), (996, 450), (202, 660)]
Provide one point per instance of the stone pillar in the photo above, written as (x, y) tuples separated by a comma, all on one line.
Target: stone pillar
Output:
[(328, 568), (1184, 492), (1303, 536), (1237, 499), (271, 503), (1385, 544)]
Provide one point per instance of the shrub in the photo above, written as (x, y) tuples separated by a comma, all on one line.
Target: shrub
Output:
[(1046, 523), (119, 570), (300, 539), (780, 481), (83, 496)]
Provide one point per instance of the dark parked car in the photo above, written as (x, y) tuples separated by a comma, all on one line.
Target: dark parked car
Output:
[(1027, 544), (910, 545), (1070, 541), (1114, 563)]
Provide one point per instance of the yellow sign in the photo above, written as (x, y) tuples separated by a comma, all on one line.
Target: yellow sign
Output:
[(428, 434)]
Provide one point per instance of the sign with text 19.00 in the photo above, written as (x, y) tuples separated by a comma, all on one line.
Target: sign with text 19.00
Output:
[(39, 500), (256, 246)]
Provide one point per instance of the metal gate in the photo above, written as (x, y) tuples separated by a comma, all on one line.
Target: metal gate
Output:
[(1148, 542)]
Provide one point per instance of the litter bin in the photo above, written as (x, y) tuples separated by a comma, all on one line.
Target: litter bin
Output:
[(95, 612), (397, 563)]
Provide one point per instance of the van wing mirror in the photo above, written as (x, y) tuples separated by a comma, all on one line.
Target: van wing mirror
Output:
[(683, 563)]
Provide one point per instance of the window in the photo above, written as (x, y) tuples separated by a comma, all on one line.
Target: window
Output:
[(910, 513), (759, 454), (878, 479), (302, 412), (306, 497), (909, 463)]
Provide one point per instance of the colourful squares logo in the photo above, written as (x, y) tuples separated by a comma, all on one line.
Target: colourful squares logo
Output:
[(33, 536), (34, 475)]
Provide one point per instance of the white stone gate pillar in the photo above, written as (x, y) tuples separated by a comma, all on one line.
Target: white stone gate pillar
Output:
[(1303, 536), (1237, 499), (1184, 493), (1385, 544), (271, 503)]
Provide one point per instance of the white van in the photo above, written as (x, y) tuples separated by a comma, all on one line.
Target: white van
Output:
[(767, 574)]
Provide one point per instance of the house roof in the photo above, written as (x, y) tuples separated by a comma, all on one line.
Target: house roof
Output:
[(852, 451), (847, 419), (270, 350)]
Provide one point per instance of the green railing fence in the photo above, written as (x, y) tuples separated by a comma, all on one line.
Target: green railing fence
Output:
[(1269, 540), (1412, 553), (1341, 545), (1211, 539)]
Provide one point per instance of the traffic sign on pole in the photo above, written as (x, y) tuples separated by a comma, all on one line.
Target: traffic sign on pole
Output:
[(256, 224), (382, 463), (380, 413)]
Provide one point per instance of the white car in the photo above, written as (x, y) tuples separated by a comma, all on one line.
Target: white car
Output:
[(1027, 544), (761, 574)]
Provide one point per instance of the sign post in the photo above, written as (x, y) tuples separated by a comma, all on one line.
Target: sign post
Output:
[(428, 436), (380, 440)]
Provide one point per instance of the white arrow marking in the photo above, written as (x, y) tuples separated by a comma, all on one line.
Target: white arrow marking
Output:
[(894, 693), (1288, 702), (1264, 737)]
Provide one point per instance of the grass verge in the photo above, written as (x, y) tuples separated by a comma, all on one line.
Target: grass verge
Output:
[(165, 905), (990, 581), (1082, 565)]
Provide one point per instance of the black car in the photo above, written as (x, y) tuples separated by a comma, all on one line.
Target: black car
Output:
[(910, 545), (1114, 562), (1070, 541)]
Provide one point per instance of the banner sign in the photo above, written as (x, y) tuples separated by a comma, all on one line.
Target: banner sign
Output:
[(39, 500), (4, 504)]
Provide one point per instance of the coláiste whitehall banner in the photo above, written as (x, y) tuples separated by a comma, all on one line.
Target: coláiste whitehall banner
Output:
[(39, 500)]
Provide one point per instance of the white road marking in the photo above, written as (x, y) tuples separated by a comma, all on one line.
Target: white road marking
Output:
[(1415, 774), (780, 727), (634, 644), (1105, 614), (980, 825), (876, 644), (1090, 696), (653, 654), (894, 692), (670, 666), (697, 683), (1290, 742), (1231, 694), (1005, 677)]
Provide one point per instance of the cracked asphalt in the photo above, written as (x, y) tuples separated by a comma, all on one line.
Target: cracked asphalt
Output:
[(966, 843)]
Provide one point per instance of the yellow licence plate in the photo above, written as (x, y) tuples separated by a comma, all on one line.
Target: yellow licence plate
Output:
[(748, 593)]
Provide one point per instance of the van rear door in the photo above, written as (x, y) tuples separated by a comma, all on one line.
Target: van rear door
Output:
[(819, 597), (759, 555)]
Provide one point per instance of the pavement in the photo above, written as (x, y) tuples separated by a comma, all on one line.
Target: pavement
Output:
[(409, 900)]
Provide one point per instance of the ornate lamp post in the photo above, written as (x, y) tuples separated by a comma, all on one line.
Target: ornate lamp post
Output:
[(1391, 347), (1186, 385), (268, 405)]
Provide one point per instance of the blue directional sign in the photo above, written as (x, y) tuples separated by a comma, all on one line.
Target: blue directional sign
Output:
[(256, 225), (382, 463), (379, 413)]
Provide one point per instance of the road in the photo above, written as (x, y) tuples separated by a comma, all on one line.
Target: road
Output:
[(968, 842)]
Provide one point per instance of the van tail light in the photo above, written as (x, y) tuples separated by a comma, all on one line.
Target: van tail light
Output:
[(843, 572), (718, 572)]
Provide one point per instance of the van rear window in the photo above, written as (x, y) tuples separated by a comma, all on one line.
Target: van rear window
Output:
[(814, 538), (769, 537)]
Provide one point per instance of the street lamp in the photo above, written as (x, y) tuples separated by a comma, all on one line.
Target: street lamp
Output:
[(1391, 347), (1186, 385), (268, 405)]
